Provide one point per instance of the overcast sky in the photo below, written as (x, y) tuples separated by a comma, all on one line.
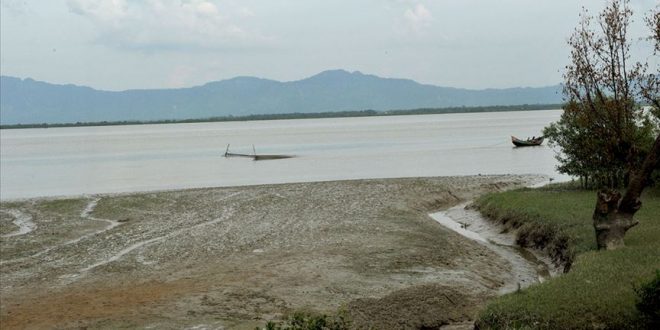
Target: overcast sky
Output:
[(122, 44)]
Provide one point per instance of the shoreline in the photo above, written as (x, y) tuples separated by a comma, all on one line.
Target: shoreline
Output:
[(290, 116), (240, 256), (531, 266), (542, 178)]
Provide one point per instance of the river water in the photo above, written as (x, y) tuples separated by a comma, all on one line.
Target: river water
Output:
[(88, 160)]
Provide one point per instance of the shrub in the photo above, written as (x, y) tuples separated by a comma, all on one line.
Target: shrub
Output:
[(310, 321), (648, 302)]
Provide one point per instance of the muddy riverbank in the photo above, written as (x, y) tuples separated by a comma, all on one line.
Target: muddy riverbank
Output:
[(239, 256), (528, 266)]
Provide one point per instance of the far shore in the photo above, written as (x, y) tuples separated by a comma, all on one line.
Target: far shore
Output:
[(237, 257), (297, 115)]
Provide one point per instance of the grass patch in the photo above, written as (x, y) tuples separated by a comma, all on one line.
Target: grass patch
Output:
[(116, 207), (556, 218), (599, 292), (6, 225), (648, 301), (62, 207), (302, 320)]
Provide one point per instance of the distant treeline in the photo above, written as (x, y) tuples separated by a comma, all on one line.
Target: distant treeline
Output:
[(297, 115)]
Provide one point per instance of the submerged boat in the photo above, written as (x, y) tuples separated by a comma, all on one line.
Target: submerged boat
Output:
[(527, 143), (254, 156)]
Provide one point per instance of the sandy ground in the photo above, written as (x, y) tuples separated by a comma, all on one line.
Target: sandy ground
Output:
[(237, 257)]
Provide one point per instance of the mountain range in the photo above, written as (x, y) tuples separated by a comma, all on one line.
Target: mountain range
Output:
[(27, 101)]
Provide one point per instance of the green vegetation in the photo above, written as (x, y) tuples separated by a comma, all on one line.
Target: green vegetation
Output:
[(6, 225), (533, 213), (62, 207), (116, 207), (599, 153), (297, 115), (600, 289), (604, 133), (311, 321), (649, 301)]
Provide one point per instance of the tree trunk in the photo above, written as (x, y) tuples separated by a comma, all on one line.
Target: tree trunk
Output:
[(610, 224), (613, 215)]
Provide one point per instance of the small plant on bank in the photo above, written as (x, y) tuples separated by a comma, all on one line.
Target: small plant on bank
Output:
[(311, 321)]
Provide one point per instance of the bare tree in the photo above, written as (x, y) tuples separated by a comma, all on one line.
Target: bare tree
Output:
[(604, 91)]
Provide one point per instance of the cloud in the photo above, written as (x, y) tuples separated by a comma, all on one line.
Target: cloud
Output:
[(181, 76), (15, 7), (418, 18), (168, 24)]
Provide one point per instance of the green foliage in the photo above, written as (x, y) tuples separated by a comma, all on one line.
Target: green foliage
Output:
[(604, 132), (598, 292), (594, 149), (649, 301), (311, 321)]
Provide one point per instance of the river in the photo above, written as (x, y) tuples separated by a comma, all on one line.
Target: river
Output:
[(111, 159)]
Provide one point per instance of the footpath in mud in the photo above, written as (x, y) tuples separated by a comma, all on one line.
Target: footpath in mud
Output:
[(240, 256)]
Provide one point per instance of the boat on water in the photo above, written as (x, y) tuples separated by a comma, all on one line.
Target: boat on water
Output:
[(535, 141), (254, 156)]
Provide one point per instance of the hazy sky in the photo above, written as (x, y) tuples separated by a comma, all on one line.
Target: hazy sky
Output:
[(122, 44)]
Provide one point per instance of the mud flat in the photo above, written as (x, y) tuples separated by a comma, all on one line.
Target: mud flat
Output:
[(529, 267), (22, 221), (237, 257)]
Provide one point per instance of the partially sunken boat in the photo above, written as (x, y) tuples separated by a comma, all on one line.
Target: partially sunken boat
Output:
[(254, 156), (527, 143)]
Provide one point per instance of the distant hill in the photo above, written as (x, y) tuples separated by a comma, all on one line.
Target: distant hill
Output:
[(28, 101)]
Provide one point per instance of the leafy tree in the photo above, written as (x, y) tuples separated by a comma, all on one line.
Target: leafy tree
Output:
[(605, 134), (591, 152)]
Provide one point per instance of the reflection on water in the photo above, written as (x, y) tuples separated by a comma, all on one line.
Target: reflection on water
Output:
[(84, 160)]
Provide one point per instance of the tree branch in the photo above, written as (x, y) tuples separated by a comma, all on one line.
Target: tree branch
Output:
[(630, 202)]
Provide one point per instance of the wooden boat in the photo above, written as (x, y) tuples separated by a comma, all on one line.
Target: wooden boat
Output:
[(527, 143)]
